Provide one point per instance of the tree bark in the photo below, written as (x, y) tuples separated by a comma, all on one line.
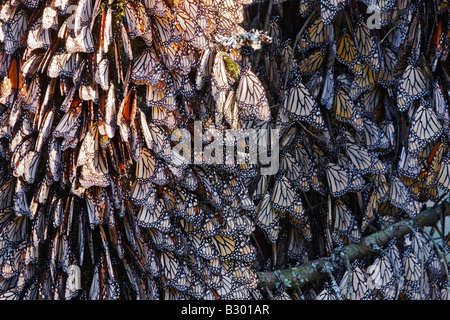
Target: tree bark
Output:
[(319, 269)]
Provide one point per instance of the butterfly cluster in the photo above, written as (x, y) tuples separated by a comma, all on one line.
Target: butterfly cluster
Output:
[(364, 121), (94, 203)]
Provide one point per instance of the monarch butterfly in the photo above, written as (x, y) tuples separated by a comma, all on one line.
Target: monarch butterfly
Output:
[(14, 228), (267, 219), (63, 63), (182, 85), (160, 174), (31, 94), (212, 224), (388, 69), (156, 7), (226, 246), (219, 81), (250, 95), (346, 48), (329, 9), (412, 265), (425, 127), (420, 247), (189, 208), (305, 162), (143, 194), (291, 167), (8, 269), (381, 275), (188, 180), (14, 81), (297, 247), (223, 24), (303, 106), (5, 62), (258, 187), (91, 158), (363, 160), (161, 238), (371, 136), (227, 5), (171, 56), (409, 164), (166, 33), (283, 195), (69, 125), (146, 256), (224, 287), (413, 82), (344, 107), (28, 167), (14, 29), (54, 164), (366, 46), (101, 75), (204, 71), (83, 42), (83, 16), (306, 6), (354, 285), (126, 47), (106, 31), (38, 37), (136, 142), (191, 7), (236, 16), (147, 69), (207, 20), (338, 178), (242, 273), (127, 113), (49, 17), (327, 96), (440, 103), (444, 174), (166, 100), (327, 293), (364, 82), (6, 216), (244, 225), (156, 139), (244, 249), (231, 110), (191, 31), (107, 119), (373, 101), (96, 201), (316, 35), (433, 161), (400, 197), (343, 224), (314, 85), (169, 266), (136, 18), (313, 62), (188, 60)]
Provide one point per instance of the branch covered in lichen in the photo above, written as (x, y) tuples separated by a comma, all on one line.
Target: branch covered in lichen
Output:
[(321, 268)]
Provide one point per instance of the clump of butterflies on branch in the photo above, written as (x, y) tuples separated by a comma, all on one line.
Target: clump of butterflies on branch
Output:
[(94, 205)]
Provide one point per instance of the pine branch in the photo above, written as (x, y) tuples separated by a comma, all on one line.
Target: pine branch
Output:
[(321, 268)]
